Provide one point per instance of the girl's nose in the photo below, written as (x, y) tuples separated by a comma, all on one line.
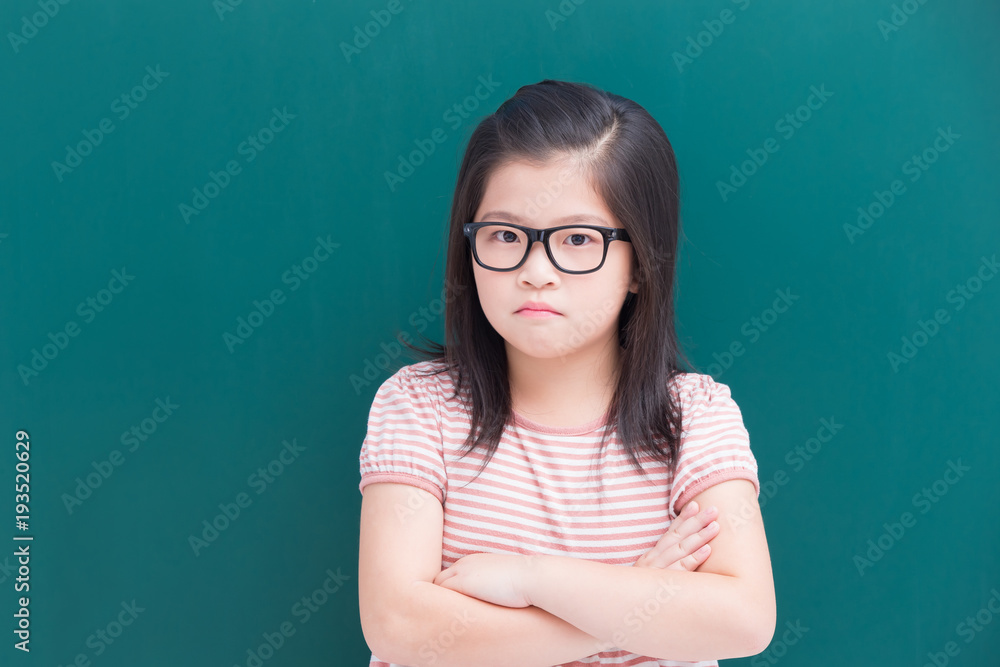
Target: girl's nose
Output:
[(538, 268)]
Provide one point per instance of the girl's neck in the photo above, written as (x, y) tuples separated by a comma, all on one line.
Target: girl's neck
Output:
[(563, 391)]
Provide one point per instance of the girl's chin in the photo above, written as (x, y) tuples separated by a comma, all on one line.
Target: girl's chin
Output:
[(540, 349)]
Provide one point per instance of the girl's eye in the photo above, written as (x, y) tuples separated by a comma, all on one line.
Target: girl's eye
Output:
[(578, 240), (506, 235)]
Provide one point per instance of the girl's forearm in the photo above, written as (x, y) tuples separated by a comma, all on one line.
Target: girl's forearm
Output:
[(671, 614), (440, 627)]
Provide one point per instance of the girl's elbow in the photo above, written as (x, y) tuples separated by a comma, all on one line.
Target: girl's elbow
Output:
[(760, 626), (398, 637), (386, 632)]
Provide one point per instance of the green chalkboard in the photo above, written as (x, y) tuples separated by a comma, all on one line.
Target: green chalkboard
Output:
[(216, 216)]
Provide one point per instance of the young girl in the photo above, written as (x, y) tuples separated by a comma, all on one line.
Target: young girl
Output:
[(531, 490)]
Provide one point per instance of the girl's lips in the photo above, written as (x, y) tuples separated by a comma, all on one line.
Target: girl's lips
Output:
[(528, 312), (536, 306)]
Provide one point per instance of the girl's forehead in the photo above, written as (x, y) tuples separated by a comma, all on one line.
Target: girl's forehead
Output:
[(582, 218), (565, 167), (530, 193)]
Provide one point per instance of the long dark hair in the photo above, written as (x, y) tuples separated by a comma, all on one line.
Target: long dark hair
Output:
[(635, 172)]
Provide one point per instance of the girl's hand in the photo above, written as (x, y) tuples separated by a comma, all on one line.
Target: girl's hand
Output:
[(685, 544), (499, 578), (496, 578)]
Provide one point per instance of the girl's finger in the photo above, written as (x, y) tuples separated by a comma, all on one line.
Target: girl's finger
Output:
[(690, 509), (684, 526), (688, 546), (672, 546), (692, 562)]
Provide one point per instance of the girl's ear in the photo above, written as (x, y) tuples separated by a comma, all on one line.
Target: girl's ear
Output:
[(633, 286)]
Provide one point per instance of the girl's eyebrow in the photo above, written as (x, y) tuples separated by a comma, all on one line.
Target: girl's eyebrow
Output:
[(577, 217)]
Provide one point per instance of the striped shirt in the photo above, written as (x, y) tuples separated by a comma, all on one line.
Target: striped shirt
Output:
[(550, 489)]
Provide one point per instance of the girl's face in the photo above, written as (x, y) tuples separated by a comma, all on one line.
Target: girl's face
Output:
[(587, 304)]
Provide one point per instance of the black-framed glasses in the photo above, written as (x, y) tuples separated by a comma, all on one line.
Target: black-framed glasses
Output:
[(504, 246)]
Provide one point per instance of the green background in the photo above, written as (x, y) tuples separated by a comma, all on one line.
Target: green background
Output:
[(62, 234)]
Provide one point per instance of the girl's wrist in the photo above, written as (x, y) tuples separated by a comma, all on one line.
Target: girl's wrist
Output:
[(532, 571)]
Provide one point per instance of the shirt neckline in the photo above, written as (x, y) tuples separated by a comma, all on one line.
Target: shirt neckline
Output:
[(580, 429)]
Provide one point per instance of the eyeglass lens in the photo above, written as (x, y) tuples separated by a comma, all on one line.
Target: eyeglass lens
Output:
[(573, 248)]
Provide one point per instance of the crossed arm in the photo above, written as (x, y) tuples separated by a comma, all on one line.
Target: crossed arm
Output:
[(498, 609)]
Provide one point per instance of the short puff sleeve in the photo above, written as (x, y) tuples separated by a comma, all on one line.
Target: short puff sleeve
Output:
[(715, 445), (404, 441)]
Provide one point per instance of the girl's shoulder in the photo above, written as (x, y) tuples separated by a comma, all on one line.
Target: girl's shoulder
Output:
[(696, 390), (427, 379), (433, 370), (433, 382)]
